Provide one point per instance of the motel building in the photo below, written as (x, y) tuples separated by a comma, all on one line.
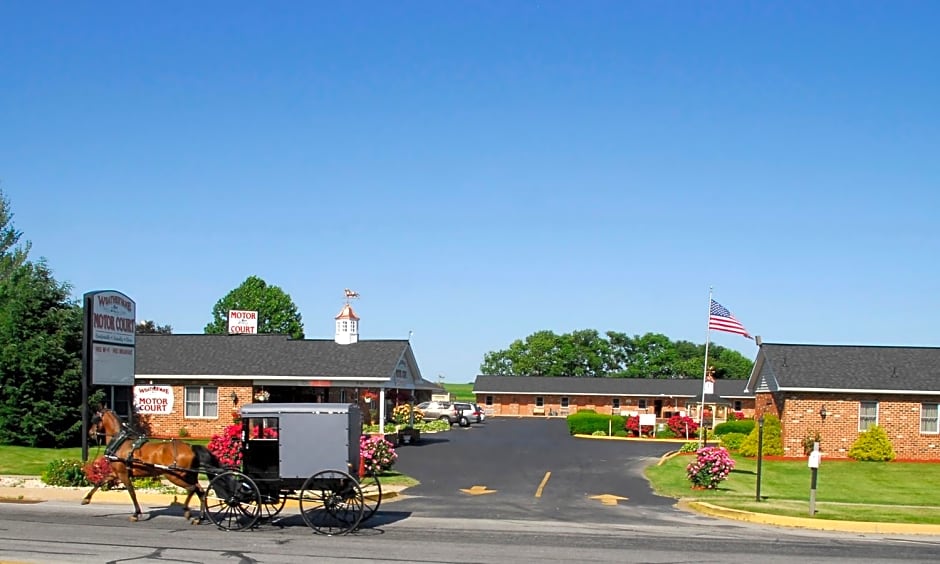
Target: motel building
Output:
[(193, 385)]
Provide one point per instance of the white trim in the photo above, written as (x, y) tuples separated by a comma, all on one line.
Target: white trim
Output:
[(863, 391), (652, 395), (289, 380)]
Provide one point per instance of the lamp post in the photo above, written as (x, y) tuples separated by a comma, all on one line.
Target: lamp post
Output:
[(760, 451)]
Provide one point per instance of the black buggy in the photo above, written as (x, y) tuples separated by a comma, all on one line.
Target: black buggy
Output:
[(303, 452)]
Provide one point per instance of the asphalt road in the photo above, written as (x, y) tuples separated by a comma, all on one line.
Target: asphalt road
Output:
[(534, 470)]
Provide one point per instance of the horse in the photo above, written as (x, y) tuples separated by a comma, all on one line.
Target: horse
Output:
[(132, 456)]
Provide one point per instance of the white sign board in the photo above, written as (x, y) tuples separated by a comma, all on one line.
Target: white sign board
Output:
[(113, 318), (153, 399), (647, 419), (242, 322), (709, 387), (112, 365)]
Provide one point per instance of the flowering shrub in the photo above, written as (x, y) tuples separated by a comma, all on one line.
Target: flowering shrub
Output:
[(99, 473), (227, 447), (633, 426), (401, 415), (711, 466), (682, 426), (378, 454)]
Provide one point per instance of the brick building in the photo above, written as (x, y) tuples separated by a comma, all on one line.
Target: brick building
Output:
[(192, 385), (839, 391), (545, 396)]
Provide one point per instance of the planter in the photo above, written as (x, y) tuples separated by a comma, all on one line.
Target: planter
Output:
[(408, 436)]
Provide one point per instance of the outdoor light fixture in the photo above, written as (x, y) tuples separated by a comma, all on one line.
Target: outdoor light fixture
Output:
[(234, 397), (822, 412)]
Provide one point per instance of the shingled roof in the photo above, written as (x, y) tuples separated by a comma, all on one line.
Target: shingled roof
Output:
[(846, 368), (570, 386), (265, 356)]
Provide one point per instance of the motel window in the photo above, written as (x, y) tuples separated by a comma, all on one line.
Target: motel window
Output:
[(202, 401), (929, 418), (539, 401), (564, 402), (738, 405), (641, 404), (488, 401), (867, 414), (615, 403), (343, 395)]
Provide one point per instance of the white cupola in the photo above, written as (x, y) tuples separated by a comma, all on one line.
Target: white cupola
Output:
[(347, 326)]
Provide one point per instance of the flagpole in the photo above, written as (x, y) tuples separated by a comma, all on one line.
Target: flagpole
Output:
[(701, 420)]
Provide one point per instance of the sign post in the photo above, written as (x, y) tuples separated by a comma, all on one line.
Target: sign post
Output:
[(110, 327), (813, 463)]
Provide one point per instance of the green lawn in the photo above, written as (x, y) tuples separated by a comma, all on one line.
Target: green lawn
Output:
[(891, 492), (461, 392), (26, 461)]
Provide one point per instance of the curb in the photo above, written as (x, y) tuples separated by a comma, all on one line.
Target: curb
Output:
[(809, 523)]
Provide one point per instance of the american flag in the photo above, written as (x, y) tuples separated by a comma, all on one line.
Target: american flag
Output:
[(720, 319)]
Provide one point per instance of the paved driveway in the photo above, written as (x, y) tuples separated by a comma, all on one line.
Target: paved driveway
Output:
[(534, 469)]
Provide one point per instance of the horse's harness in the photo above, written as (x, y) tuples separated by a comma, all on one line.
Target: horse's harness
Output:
[(126, 434)]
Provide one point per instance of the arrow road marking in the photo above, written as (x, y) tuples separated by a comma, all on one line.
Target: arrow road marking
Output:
[(477, 490), (608, 499)]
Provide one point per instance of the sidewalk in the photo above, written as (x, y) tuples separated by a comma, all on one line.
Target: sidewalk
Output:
[(29, 489)]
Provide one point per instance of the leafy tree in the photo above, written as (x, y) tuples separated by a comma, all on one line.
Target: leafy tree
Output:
[(149, 327), (277, 313), (40, 359), (12, 255)]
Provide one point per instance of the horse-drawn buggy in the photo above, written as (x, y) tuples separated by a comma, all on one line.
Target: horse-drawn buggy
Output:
[(302, 452)]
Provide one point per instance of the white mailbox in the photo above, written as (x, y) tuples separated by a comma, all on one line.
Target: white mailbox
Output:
[(814, 459)]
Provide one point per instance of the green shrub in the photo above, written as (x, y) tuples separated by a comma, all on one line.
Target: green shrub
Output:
[(690, 446), (65, 473), (872, 445), (620, 433), (743, 426), (585, 422), (599, 433), (732, 441), (665, 433), (773, 439)]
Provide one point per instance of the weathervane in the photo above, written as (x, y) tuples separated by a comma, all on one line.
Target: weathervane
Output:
[(350, 295)]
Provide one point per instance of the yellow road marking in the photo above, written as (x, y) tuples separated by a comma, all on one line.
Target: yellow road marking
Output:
[(608, 499), (477, 490), (538, 492)]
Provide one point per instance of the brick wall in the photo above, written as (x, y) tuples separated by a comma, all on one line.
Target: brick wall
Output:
[(170, 426), (898, 415)]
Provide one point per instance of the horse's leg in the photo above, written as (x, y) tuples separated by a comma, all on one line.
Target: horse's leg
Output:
[(87, 499), (124, 475)]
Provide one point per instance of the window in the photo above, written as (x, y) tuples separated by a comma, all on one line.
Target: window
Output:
[(928, 418), (539, 401), (564, 402), (202, 401), (867, 414), (343, 396), (616, 403), (488, 401), (738, 405), (641, 404)]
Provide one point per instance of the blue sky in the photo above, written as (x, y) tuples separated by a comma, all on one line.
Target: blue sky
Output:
[(480, 171)]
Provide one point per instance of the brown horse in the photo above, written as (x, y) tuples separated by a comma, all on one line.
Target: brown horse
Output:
[(132, 456)]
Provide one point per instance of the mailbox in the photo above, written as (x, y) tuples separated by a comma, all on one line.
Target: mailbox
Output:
[(814, 458)]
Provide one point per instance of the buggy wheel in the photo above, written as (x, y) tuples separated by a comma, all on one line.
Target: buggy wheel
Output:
[(371, 495), (331, 502), (233, 501), (271, 505)]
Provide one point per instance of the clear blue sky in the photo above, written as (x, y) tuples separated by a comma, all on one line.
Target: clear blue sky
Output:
[(480, 171)]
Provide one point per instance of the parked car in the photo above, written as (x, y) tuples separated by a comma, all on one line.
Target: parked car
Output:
[(469, 411), (439, 410)]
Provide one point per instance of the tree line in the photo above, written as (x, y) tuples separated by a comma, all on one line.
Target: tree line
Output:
[(588, 354)]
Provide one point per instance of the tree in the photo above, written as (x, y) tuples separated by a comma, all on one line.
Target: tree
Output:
[(277, 313), (149, 327), (40, 359), (12, 256)]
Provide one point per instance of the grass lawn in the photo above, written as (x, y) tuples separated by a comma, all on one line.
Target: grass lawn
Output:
[(462, 392), (26, 461), (889, 492)]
